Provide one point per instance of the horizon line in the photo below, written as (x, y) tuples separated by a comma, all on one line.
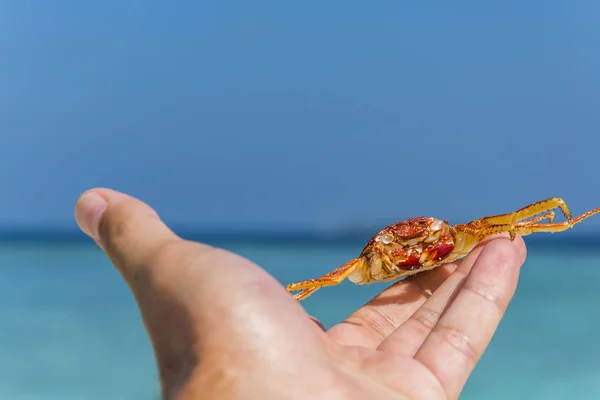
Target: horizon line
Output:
[(358, 236)]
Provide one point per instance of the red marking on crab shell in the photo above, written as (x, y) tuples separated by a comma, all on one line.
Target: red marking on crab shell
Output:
[(440, 249), (444, 249), (410, 228), (410, 260), (436, 251), (409, 265)]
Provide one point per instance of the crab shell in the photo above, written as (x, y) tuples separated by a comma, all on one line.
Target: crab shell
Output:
[(405, 248)]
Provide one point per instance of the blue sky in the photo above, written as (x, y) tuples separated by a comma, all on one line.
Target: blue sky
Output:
[(303, 116)]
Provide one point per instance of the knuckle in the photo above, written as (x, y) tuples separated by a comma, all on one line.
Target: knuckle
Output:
[(166, 253), (378, 321), (426, 317), (487, 292), (170, 264), (178, 252), (461, 342)]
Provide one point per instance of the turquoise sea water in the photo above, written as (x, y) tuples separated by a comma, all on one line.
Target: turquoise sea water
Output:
[(70, 329)]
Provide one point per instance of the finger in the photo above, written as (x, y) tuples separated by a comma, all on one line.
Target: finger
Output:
[(128, 230), (458, 340), (131, 234), (409, 337), (371, 324)]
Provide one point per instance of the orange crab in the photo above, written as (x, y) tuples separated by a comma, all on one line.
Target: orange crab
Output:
[(424, 243)]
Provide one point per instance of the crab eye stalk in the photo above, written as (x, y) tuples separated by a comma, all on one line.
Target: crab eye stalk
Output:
[(386, 238)]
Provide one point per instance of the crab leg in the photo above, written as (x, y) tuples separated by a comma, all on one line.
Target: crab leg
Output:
[(549, 216), (508, 222), (333, 278), (527, 228), (305, 293), (528, 212), (523, 228)]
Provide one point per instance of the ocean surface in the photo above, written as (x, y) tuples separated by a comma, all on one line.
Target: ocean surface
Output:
[(70, 328)]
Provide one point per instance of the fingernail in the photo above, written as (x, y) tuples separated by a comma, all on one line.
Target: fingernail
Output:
[(88, 211)]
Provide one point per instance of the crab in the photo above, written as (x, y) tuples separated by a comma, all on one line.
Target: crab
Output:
[(424, 243)]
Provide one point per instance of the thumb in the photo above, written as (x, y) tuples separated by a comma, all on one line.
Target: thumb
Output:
[(128, 230), (197, 302), (152, 258), (133, 236)]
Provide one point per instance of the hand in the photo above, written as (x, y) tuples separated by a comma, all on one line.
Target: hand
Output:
[(223, 328)]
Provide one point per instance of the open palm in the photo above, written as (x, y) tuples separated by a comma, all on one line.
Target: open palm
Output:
[(222, 328)]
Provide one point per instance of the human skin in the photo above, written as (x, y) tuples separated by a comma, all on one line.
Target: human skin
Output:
[(223, 328)]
